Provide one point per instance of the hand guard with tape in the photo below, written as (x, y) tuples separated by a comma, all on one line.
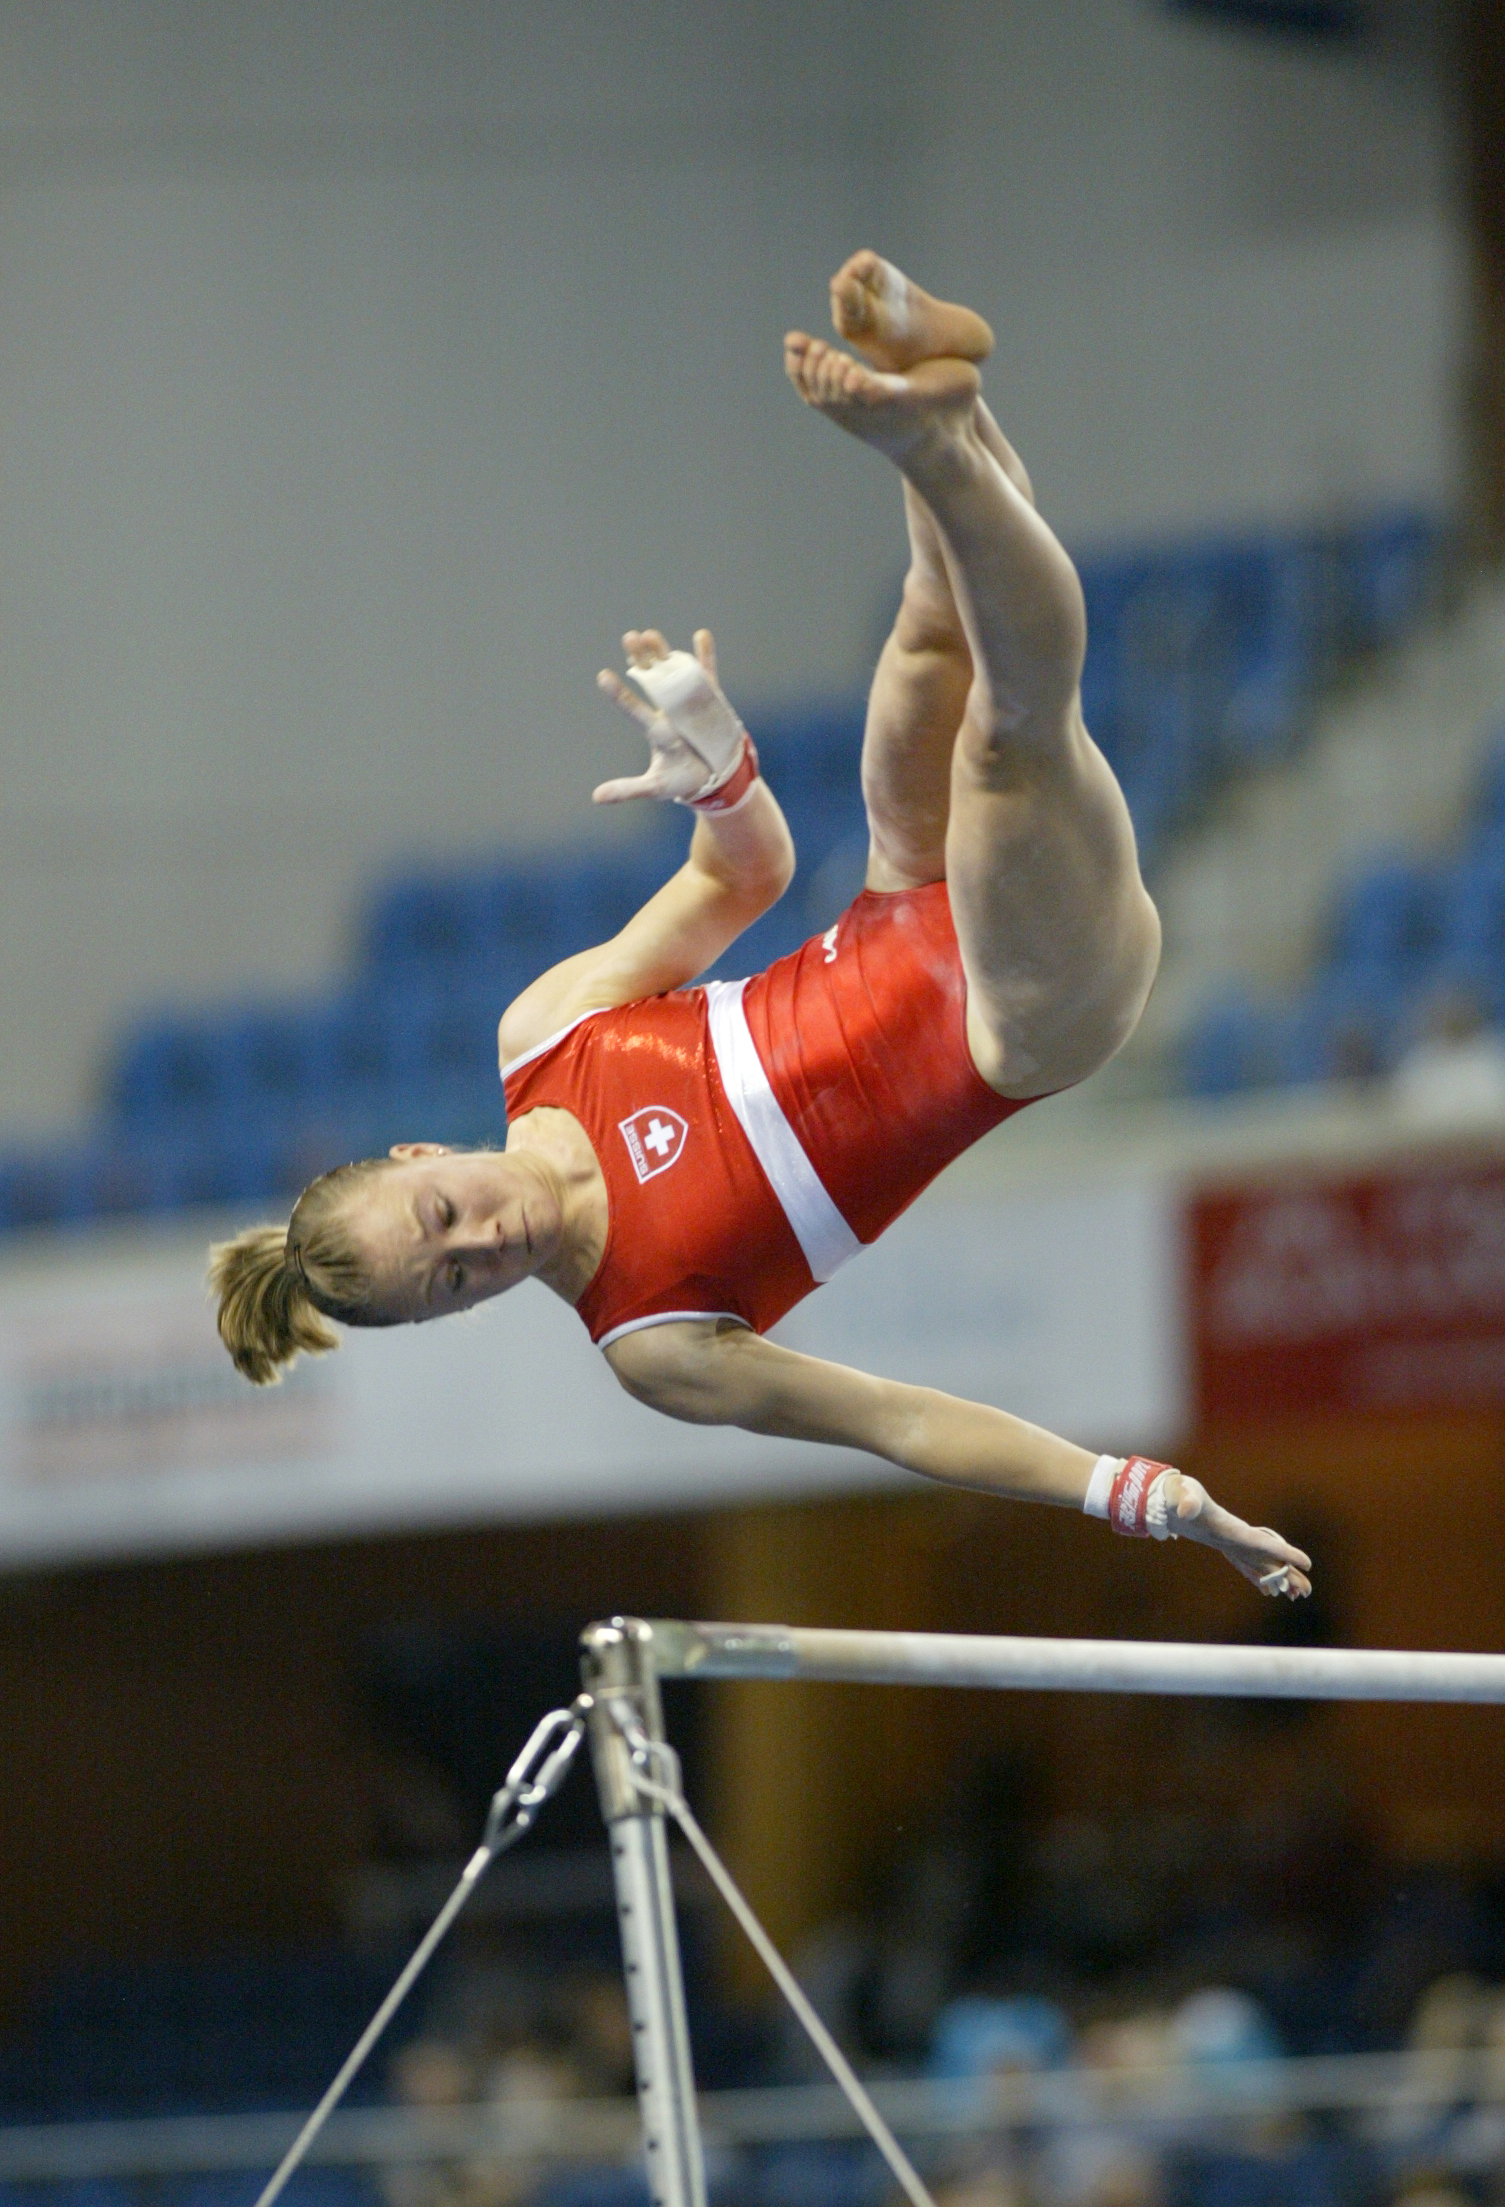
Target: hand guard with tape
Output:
[(702, 717), (702, 756)]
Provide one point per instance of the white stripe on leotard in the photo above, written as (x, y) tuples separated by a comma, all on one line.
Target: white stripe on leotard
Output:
[(819, 1227), (512, 1065), (665, 1318)]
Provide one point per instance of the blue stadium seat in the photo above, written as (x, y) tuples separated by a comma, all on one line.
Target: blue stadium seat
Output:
[(510, 921), (92, 2191), (278, 1057), (1473, 919), (1347, 1025), (1396, 560), (429, 920), (45, 1188), (823, 2174), (170, 1067), (600, 895), (1392, 918), (369, 1041), (1275, 651), (608, 2187), (1489, 793), (207, 1170), (1233, 1045), (218, 2188), (528, 916), (813, 766), (394, 1047), (452, 1032)]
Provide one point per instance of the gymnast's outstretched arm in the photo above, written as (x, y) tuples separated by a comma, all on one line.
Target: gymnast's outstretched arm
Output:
[(740, 862), (715, 1373)]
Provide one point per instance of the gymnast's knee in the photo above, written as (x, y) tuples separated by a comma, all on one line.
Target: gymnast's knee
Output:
[(927, 620), (1006, 743)]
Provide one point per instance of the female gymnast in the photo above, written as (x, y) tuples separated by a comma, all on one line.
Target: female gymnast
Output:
[(684, 1164)]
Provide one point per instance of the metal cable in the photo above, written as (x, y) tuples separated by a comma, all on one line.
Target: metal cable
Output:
[(671, 1797), (538, 1772)]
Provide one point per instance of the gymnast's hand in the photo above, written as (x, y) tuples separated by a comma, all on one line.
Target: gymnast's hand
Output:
[(1269, 1562), (675, 768)]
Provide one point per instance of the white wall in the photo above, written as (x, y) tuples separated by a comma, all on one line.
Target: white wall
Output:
[(363, 370), (1224, 269)]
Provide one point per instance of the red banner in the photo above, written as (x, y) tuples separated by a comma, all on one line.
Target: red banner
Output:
[(1386, 1293)]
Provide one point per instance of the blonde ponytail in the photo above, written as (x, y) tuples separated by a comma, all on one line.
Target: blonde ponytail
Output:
[(266, 1314), (278, 1286)]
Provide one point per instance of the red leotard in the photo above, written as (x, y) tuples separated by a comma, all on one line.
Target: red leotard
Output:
[(753, 1136)]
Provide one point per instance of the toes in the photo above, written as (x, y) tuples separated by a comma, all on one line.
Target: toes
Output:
[(851, 306), (863, 271), (835, 373), (798, 352), (813, 367)]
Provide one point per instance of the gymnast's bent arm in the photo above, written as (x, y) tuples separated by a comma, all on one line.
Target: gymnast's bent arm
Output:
[(717, 1373), (740, 862)]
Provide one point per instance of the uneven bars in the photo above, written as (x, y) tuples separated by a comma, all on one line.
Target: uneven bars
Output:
[(683, 1650)]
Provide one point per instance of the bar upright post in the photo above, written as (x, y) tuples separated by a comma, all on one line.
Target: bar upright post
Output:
[(616, 1665)]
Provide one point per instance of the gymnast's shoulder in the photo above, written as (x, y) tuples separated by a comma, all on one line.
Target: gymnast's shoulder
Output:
[(552, 1002)]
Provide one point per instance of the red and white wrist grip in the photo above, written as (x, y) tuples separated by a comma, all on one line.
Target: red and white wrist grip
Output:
[(737, 787), (1129, 1493)]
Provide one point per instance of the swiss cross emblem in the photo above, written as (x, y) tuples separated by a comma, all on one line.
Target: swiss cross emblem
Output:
[(654, 1137)]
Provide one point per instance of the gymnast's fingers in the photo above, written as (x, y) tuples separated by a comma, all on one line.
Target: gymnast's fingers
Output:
[(1267, 1561), (612, 686), (622, 792), (705, 650), (1258, 1552), (1276, 1579)]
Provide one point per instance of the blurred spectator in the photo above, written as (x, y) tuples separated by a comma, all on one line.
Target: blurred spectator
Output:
[(1450, 2030), (1101, 2167), (1454, 1074), (1141, 2040), (991, 2038), (991, 2185), (1218, 2031), (520, 2044)]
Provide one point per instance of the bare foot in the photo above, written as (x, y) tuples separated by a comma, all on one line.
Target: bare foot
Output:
[(894, 324), (894, 412)]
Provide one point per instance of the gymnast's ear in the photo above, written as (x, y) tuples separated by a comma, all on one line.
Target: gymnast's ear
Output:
[(405, 1152)]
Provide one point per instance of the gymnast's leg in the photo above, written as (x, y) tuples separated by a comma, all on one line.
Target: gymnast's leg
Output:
[(924, 673), (1058, 936)]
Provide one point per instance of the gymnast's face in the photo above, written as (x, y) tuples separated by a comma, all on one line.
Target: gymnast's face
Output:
[(442, 1230)]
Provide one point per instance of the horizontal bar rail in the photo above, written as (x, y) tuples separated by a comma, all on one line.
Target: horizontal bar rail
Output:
[(586, 2130), (683, 1650)]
